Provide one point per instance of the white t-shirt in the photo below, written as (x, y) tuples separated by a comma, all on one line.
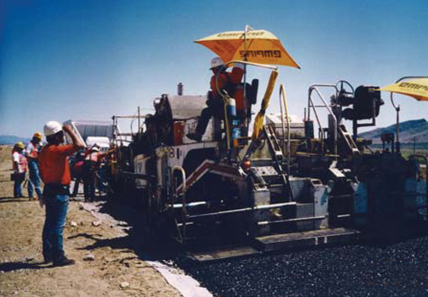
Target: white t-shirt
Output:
[(18, 158)]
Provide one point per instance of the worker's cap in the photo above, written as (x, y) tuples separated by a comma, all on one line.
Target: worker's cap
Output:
[(19, 145), (38, 135), (51, 128), (95, 148), (216, 62)]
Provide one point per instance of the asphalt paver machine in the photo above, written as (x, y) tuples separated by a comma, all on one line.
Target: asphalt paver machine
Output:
[(293, 183)]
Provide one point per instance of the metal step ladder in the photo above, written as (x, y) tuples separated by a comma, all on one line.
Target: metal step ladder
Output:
[(348, 139), (274, 145)]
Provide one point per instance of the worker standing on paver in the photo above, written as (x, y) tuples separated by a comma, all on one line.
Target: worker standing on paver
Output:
[(55, 173), (19, 168), (31, 153), (223, 81)]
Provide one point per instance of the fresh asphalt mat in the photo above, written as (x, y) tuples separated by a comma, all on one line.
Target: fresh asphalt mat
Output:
[(398, 269)]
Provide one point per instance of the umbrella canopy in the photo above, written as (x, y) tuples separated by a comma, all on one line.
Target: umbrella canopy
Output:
[(417, 88), (258, 46)]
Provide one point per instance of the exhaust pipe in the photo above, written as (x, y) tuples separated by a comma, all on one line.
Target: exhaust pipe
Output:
[(180, 89)]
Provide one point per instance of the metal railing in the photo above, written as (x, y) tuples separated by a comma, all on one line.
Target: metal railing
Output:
[(312, 106), (283, 101), (180, 169)]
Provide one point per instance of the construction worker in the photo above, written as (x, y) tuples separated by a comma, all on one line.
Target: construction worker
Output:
[(76, 168), (90, 168), (224, 81), (31, 153), (55, 173), (19, 168)]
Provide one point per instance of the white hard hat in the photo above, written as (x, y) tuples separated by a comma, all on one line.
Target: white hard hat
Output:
[(52, 127), (216, 62)]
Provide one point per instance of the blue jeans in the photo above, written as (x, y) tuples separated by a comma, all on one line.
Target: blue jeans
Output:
[(89, 180), (56, 210), (33, 166), (17, 190)]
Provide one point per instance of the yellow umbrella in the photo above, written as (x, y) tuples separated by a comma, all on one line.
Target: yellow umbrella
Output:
[(417, 88), (258, 46)]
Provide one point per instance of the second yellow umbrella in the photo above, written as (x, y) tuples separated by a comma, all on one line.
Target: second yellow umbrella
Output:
[(416, 88)]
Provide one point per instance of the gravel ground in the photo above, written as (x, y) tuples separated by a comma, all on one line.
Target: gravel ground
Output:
[(109, 257), (399, 269)]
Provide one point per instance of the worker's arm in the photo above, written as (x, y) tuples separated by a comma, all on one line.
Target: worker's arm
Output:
[(28, 152), (78, 144)]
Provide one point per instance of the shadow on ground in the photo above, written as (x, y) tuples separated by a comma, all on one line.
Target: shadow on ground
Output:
[(129, 213), (11, 199), (11, 266)]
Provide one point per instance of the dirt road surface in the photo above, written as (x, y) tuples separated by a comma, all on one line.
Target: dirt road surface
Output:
[(117, 268)]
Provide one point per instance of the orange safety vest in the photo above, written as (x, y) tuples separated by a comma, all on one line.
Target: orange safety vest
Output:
[(34, 151)]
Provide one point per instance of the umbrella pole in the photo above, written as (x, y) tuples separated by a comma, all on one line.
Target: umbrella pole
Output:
[(397, 125), (225, 102), (397, 144), (247, 28), (245, 59)]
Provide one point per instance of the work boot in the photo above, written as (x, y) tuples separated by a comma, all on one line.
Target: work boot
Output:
[(63, 261), (47, 259), (194, 136)]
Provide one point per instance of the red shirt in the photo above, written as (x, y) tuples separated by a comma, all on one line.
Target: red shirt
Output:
[(54, 165)]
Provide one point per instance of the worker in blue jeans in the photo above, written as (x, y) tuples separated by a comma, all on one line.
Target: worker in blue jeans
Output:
[(55, 173), (31, 153)]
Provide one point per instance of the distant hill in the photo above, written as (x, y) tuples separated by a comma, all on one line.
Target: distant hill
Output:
[(410, 131), (10, 139)]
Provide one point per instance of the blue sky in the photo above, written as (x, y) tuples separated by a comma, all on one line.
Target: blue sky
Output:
[(91, 59)]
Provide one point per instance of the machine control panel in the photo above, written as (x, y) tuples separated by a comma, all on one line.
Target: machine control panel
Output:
[(265, 170)]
